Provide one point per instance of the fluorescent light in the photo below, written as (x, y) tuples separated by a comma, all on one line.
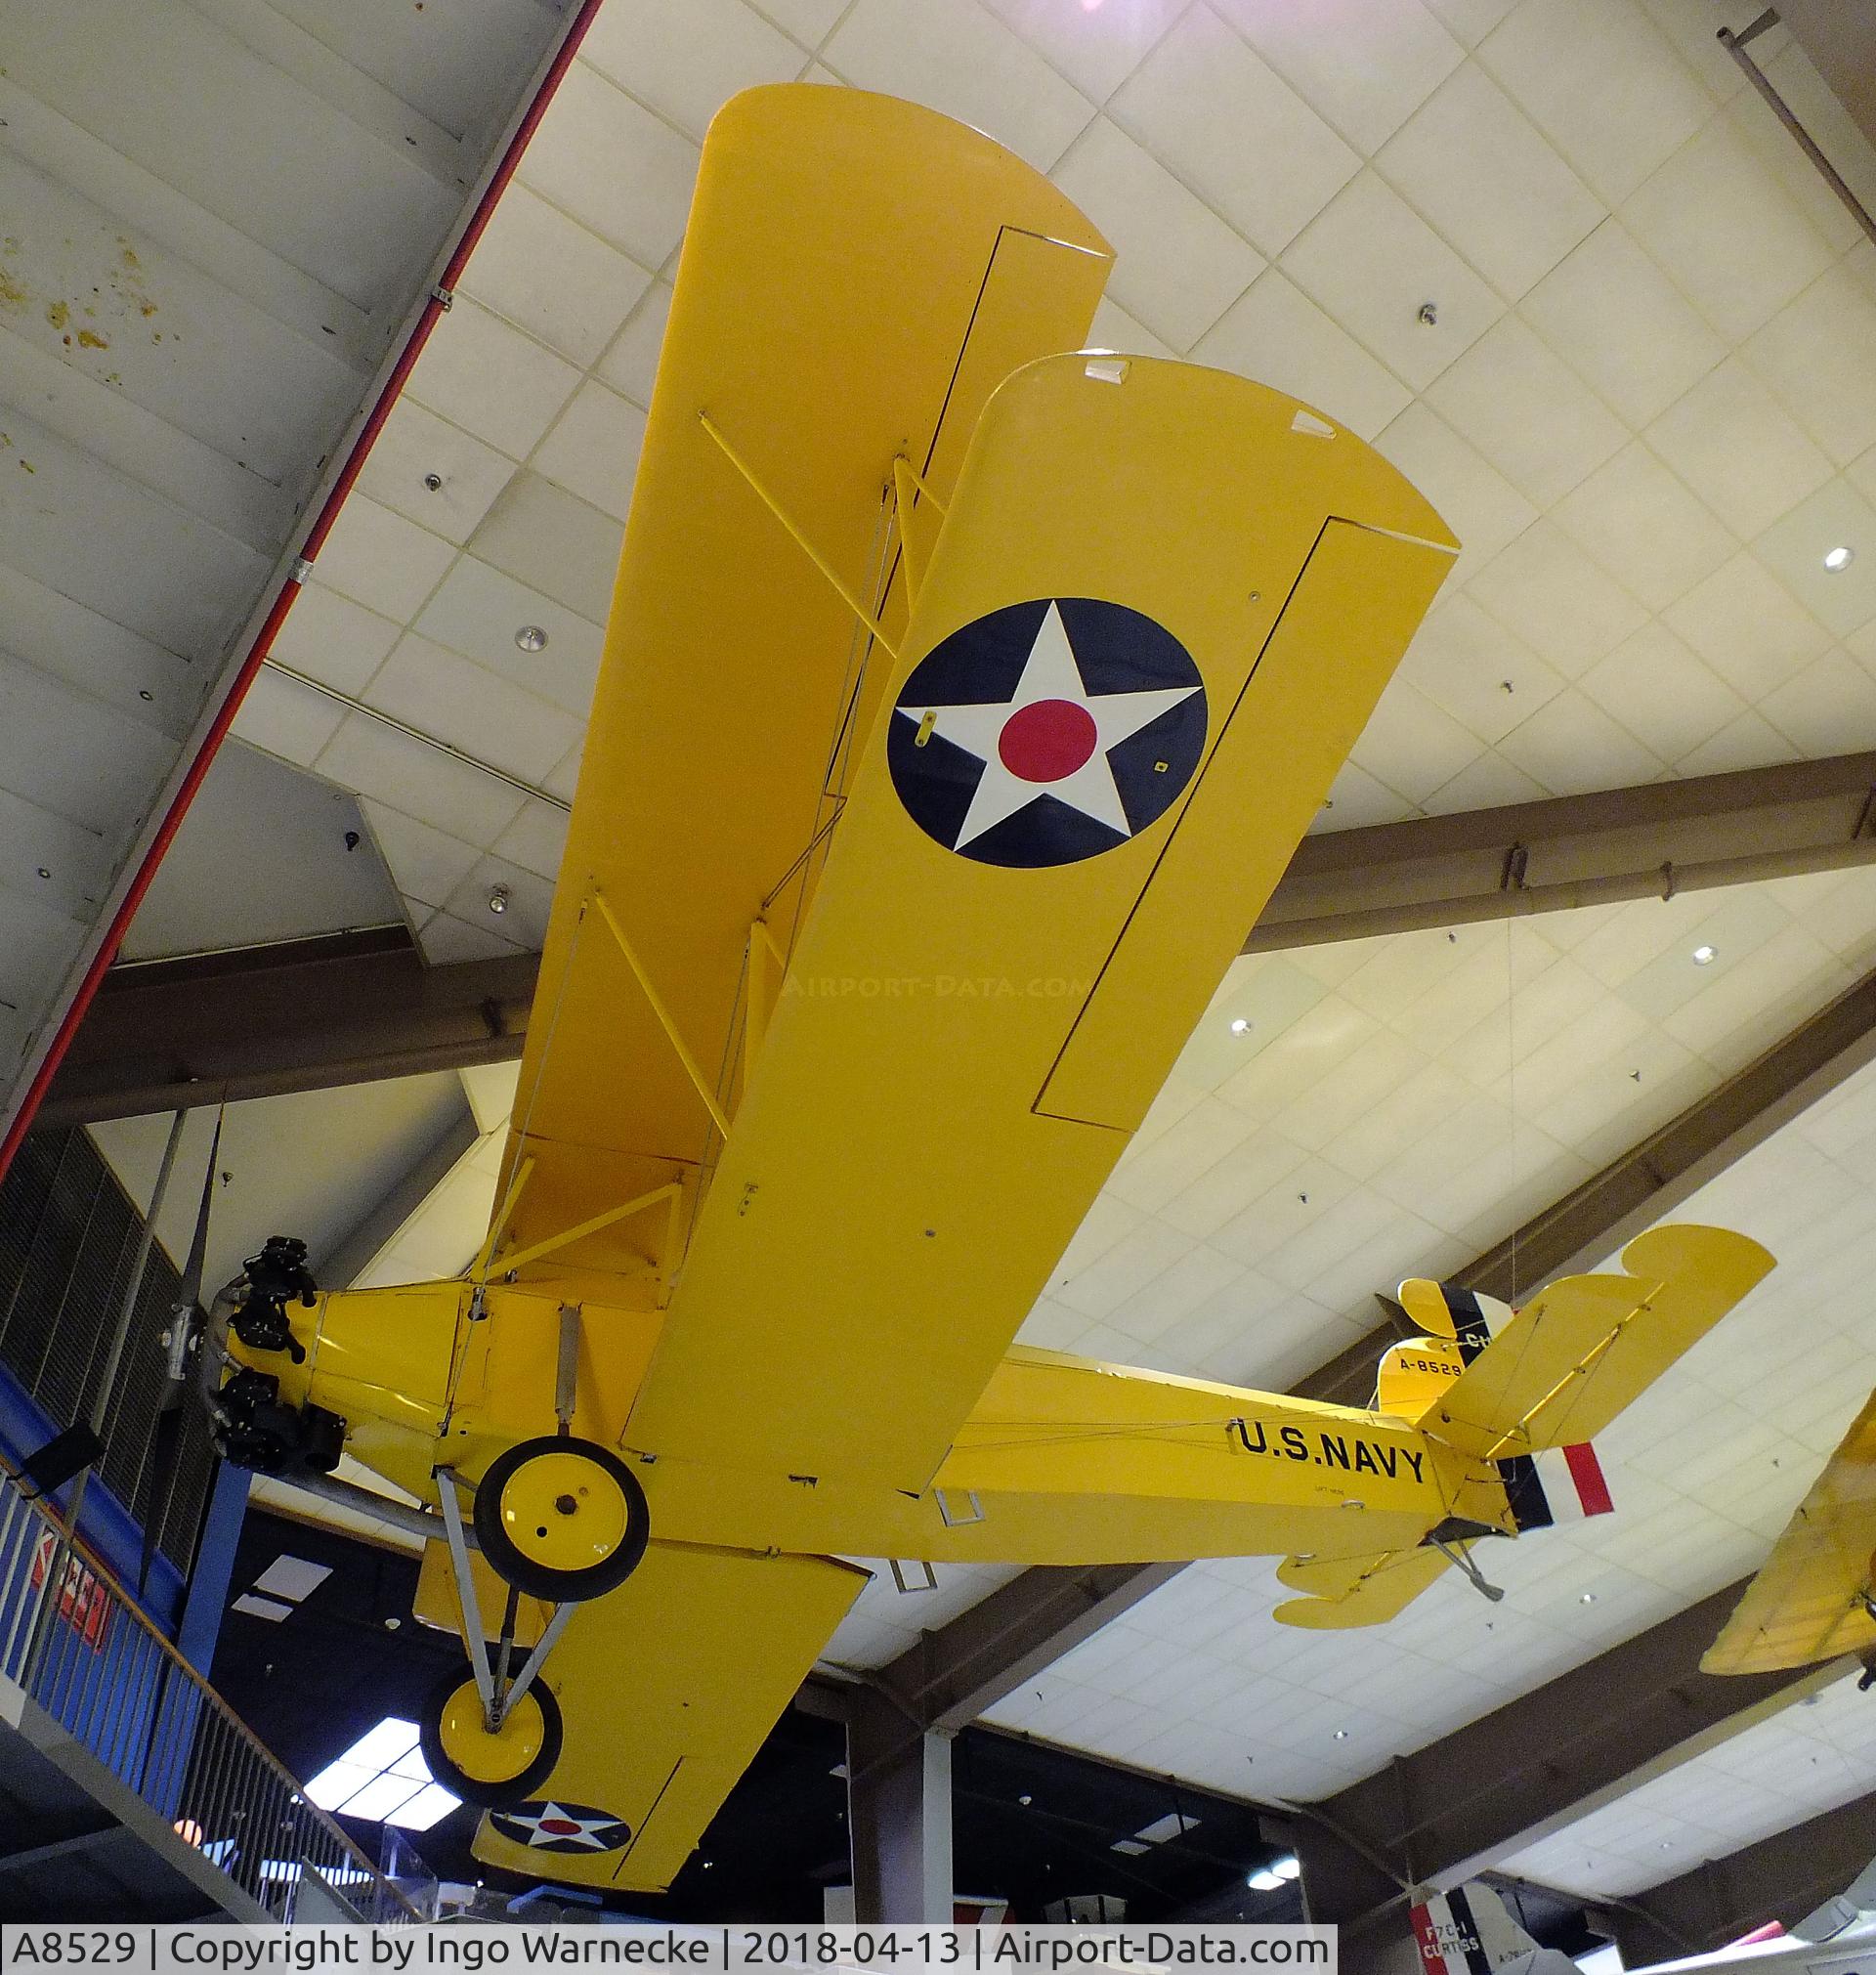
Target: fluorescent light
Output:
[(292, 1578), (261, 1608), (412, 1765), (429, 1806), (385, 1744), (336, 1782), (1131, 1847), (1264, 1880), (1288, 1867), (1168, 1827), (382, 1796)]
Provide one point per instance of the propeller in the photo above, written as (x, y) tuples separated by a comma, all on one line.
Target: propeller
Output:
[(186, 1321)]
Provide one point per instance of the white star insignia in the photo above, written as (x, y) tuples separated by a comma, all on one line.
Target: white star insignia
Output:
[(589, 1832), (1060, 750)]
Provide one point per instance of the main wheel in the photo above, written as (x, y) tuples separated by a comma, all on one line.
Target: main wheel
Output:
[(561, 1518), (490, 1769)]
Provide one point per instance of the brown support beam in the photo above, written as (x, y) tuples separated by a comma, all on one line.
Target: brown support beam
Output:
[(300, 1016), (1529, 857), (1782, 1877)]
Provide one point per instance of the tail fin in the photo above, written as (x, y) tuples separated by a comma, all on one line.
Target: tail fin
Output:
[(1580, 1350), (1468, 1932), (1559, 1484)]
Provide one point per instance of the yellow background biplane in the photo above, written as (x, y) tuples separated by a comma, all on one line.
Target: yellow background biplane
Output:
[(962, 703)]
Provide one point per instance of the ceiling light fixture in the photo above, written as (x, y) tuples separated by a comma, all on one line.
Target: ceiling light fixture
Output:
[(1588, 1597), (1839, 558), (532, 638), (1342, 1734), (1705, 956), (1240, 1027), (499, 900), (1263, 1881), (1288, 1867)]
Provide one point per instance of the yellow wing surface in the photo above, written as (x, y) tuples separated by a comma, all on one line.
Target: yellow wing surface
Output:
[(858, 274), (1580, 1350), (1811, 1600), (1346, 1592), (667, 1689), (989, 990)]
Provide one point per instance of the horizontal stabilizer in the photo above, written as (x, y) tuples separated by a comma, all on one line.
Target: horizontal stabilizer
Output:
[(1580, 1350), (1345, 1592), (1811, 1601)]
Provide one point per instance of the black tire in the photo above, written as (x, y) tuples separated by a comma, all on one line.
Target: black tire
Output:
[(489, 1796), (528, 1573)]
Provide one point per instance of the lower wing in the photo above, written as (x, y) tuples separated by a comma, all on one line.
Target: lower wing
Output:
[(1345, 1592), (667, 1689), (1811, 1601)]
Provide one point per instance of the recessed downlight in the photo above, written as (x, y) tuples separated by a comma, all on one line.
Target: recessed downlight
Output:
[(1840, 557), (532, 638), (499, 900), (1705, 956), (1239, 1026)]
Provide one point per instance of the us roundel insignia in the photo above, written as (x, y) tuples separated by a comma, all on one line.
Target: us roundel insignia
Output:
[(546, 1826), (1046, 732)]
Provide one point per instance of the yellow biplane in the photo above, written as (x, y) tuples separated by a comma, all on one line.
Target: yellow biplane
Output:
[(962, 703)]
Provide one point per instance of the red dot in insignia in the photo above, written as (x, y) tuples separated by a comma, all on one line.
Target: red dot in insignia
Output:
[(560, 1827), (1047, 740)]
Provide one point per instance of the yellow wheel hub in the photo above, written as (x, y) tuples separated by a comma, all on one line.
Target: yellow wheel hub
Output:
[(485, 1758), (564, 1511)]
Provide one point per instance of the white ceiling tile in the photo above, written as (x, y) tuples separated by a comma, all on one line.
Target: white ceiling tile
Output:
[(414, 444), (447, 940), (1692, 26), (484, 374), (546, 538), (1836, 516), (1278, 336), (1095, 47), (382, 561), (329, 637), (549, 275), (686, 58), (1611, 314), (1764, 134), (1545, 589), (1828, 709), (1411, 745), (1177, 267), (967, 62), (1749, 742), (416, 780), (1374, 263), (1748, 626), (1602, 83), (594, 449), (1481, 507), (1234, 130), (1571, 746), (1113, 328), (536, 839), (1527, 411), (426, 864), (1814, 353), (1474, 670), (525, 909), (1730, 441), (631, 364), (1662, 693), (1470, 162), (1645, 528), (614, 166), (477, 612), (1365, 64), (1356, 798), (1734, 242), (1470, 20), (438, 690), (809, 20), (285, 719), (1490, 783)]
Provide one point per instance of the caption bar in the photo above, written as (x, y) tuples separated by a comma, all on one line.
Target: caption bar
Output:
[(474, 1948)]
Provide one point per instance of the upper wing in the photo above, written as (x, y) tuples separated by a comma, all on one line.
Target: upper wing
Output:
[(857, 274), (667, 1689), (1810, 1601), (1580, 1350), (979, 1011)]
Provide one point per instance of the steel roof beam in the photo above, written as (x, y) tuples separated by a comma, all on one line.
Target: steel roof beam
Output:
[(1530, 857), (302, 1015)]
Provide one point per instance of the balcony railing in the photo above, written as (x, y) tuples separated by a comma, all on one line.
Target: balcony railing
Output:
[(83, 1652)]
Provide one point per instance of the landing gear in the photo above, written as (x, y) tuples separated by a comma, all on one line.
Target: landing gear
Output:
[(490, 1767), (561, 1518)]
